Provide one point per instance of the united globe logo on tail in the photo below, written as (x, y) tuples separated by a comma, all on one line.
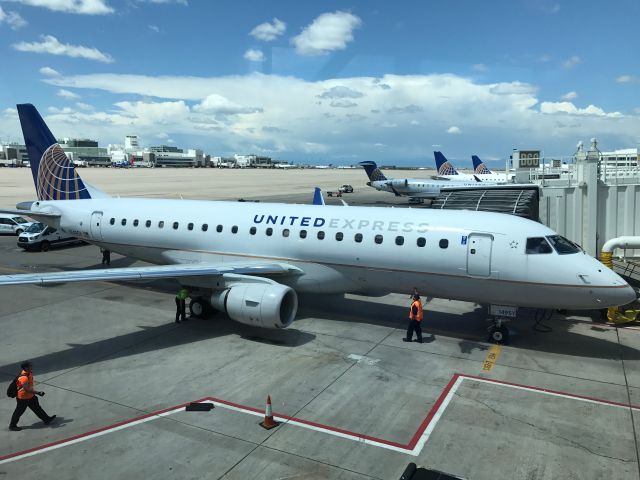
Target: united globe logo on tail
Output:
[(482, 170), (57, 177)]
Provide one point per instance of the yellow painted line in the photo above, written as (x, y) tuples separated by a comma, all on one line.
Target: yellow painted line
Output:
[(492, 358)]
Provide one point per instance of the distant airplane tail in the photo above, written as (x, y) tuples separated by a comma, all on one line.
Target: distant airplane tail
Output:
[(372, 170), (54, 175), (318, 199), (443, 165), (479, 168)]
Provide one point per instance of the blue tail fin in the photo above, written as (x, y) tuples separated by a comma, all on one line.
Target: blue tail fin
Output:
[(443, 165), (479, 168), (318, 199), (54, 175), (373, 172)]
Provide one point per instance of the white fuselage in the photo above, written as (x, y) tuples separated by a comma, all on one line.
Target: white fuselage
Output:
[(474, 256), (424, 188)]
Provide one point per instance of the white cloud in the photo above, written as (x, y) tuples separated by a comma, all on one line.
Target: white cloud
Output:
[(67, 94), (569, 63), (84, 106), (217, 104), (453, 130), (628, 79), (49, 72), (328, 32), (50, 44), (154, 28), (179, 2), (82, 7), (569, 96), (13, 19), (269, 31), (480, 67), (340, 92), (571, 109), (254, 55)]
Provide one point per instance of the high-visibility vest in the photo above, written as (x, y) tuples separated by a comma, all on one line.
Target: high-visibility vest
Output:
[(418, 316), (22, 394), (182, 294)]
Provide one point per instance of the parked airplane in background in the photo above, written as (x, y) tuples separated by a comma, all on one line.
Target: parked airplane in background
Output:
[(483, 172), (250, 259)]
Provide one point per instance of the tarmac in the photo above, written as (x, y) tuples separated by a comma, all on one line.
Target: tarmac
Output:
[(353, 400)]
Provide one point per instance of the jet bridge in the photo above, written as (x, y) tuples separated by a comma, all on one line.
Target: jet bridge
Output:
[(519, 200)]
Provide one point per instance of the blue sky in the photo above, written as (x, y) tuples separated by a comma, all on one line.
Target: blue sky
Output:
[(328, 82)]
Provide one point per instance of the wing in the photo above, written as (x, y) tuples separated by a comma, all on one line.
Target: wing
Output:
[(150, 272)]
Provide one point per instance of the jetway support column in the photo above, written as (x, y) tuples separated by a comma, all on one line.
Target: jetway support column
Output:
[(587, 166)]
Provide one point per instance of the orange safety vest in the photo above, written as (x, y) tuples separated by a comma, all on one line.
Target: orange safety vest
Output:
[(25, 379), (418, 316)]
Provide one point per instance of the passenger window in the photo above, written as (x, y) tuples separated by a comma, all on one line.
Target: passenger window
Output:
[(205, 227), (339, 236), (269, 231), (135, 222), (444, 243), (358, 237), (285, 232), (160, 224), (253, 230), (124, 222), (219, 229), (234, 229), (175, 225), (320, 235), (148, 223), (421, 241), (399, 240), (190, 226), (112, 221), (303, 234), (378, 239), (536, 245)]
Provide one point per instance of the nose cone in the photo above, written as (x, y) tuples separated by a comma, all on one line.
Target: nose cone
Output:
[(622, 296)]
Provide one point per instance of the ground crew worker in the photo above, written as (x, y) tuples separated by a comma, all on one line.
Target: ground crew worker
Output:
[(181, 304), (27, 398), (415, 319), (106, 256)]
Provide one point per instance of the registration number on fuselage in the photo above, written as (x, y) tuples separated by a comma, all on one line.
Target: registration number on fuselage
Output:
[(503, 311)]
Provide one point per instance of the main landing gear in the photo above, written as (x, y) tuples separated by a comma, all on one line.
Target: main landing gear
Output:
[(199, 307)]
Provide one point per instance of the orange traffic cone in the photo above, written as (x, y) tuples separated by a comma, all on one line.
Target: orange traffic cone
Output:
[(268, 422)]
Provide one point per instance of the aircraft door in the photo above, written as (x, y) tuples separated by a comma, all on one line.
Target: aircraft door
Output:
[(479, 254), (96, 220)]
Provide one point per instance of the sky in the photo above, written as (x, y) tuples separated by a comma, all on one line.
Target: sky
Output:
[(330, 82)]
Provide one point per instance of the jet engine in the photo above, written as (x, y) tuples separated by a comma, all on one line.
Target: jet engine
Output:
[(262, 305)]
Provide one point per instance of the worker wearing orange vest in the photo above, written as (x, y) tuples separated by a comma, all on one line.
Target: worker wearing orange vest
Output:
[(415, 320), (27, 398)]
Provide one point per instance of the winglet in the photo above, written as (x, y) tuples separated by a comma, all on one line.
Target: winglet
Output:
[(318, 199), (443, 165)]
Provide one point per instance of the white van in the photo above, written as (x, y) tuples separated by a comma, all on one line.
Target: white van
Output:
[(41, 237), (13, 224)]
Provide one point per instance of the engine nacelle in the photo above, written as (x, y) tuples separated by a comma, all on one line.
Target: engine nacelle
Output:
[(262, 305), (400, 183)]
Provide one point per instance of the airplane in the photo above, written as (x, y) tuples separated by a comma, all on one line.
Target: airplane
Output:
[(483, 172), (250, 260)]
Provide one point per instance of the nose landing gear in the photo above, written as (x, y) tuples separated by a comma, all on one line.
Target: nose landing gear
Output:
[(498, 332)]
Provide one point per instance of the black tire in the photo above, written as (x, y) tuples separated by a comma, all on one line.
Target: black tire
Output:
[(44, 246), (198, 308), (499, 335)]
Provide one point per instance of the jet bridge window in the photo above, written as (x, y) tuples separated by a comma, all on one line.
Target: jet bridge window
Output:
[(148, 223), (421, 241), (160, 224), (378, 239), (135, 222), (205, 227), (562, 245), (234, 229), (399, 240), (112, 221), (320, 235), (190, 226), (269, 231), (219, 229), (444, 243), (175, 225), (253, 230), (537, 245), (358, 238), (124, 222), (339, 236), (303, 234)]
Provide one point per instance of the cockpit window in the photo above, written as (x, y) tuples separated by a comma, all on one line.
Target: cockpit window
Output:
[(537, 245), (562, 245)]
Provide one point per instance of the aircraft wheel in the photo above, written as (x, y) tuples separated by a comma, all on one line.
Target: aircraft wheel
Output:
[(44, 246), (198, 308), (499, 334)]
